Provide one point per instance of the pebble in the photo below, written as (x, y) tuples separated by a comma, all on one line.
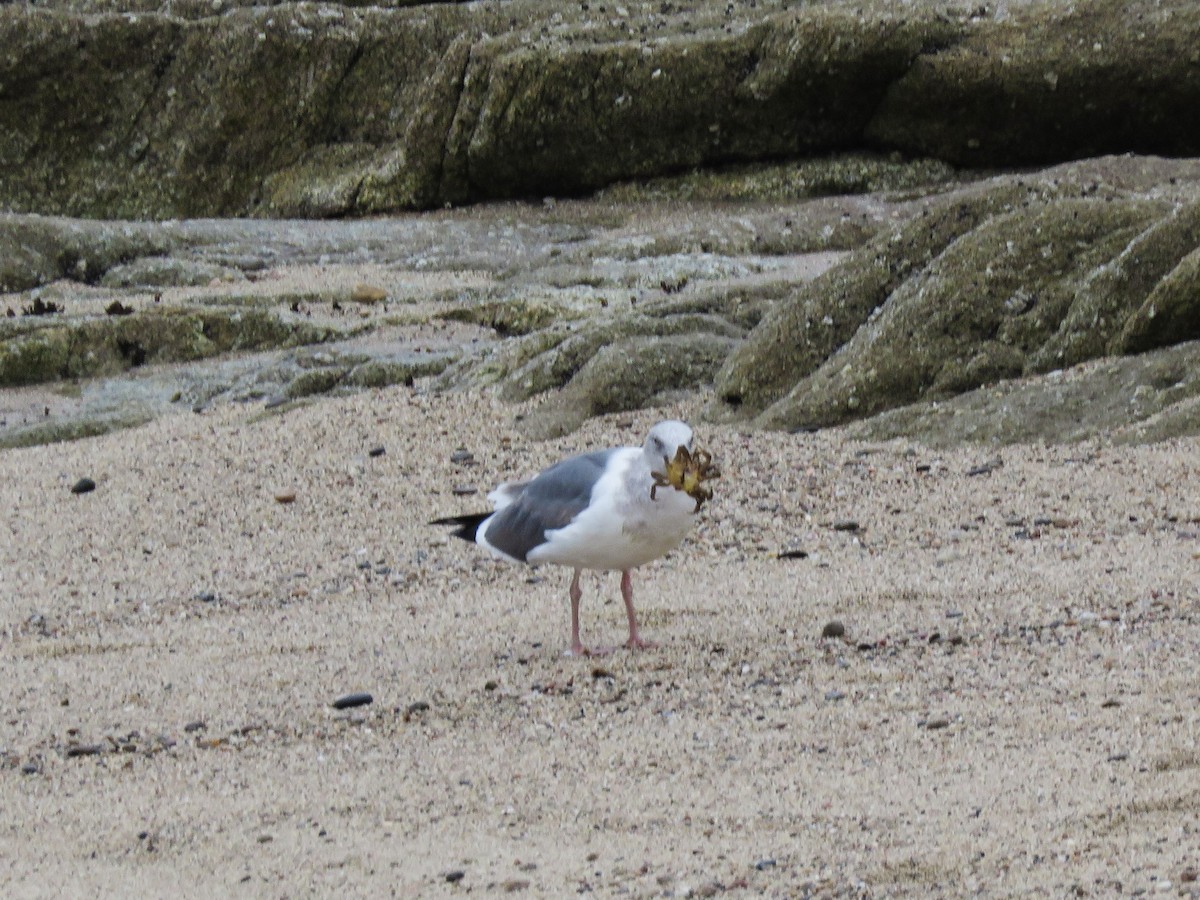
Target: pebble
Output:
[(414, 708), (764, 864), (462, 456), (846, 525), (834, 695), (986, 468), (206, 597), (376, 451), (935, 724), (351, 700), (833, 629), (195, 726), (462, 490), (83, 486), (84, 750), (30, 769), (456, 875), (285, 497), (792, 554)]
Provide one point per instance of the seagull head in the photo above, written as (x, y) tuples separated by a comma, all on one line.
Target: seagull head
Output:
[(664, 440)]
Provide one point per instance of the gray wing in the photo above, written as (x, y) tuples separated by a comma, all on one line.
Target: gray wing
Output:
[(549, 501)]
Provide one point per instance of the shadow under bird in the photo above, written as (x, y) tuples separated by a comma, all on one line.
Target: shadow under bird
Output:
[(613, 509)]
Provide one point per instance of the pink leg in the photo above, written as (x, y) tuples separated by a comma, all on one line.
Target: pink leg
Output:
[(634, 642), (577, 649)]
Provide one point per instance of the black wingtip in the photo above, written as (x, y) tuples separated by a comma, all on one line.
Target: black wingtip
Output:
[(468, 525)]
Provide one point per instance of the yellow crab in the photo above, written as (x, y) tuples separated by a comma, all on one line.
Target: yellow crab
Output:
[(687, 472)]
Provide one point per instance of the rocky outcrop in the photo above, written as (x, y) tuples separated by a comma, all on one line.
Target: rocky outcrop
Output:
[(1016, 276), (137, 109)]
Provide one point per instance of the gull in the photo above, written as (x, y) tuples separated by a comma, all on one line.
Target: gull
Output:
[(591, 511)]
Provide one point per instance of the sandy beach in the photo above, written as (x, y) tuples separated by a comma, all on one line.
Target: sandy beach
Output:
[(1013, 708)]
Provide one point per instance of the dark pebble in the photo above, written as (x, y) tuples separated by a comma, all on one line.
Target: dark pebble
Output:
[(462, 490), (195, 726), (764, 864), (1118, 757), (833, 629), (935, 724), (846, 525), (456, 875), (30, 769), (414, 708), (83, 486), (834, 695), (461, 455), (206, 597), (377, 451), (792, 554), (352, 700), (954, 614), (84, 750), (986, 468)]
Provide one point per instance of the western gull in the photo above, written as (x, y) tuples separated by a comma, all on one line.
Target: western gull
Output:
[(605, 510)]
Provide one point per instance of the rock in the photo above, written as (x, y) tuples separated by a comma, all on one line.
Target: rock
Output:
[(351, 700), (167, 271), (455, 876), (285, 496), (983, 287), (376, 451), (76, 750), (83, 486), (833, 629)]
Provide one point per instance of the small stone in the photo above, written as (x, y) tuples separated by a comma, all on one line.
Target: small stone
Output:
[(415, 709), (1188, 875), (462, 490), (834, 695), (285, 497), (195, 726), (376, 451), (352, 700), (935, 724), (30, 768), (83, 486), (833, 629), (456, 875), (846, 525), (792, 554), (206, 597), (764, 864), (986, 468), (84, 750)]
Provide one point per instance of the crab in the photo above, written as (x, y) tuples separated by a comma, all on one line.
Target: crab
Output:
[(687, 472)]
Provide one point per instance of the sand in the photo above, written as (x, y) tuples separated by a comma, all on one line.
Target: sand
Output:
[(1012, 710)]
